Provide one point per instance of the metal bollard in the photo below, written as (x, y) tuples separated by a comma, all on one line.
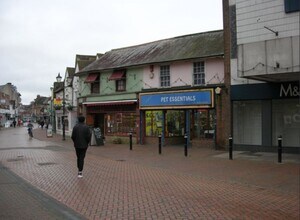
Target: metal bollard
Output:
[(159, 144), (130, 141), (185, 145), (279, 149), (230, 147)]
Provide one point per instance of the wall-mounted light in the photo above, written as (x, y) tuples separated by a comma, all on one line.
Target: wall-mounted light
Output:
[(218, 90)]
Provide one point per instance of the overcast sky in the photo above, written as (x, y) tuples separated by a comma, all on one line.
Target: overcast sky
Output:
[(40, 38)]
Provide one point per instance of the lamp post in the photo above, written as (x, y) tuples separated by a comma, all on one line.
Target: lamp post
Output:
[(51, 110), (58, 79)]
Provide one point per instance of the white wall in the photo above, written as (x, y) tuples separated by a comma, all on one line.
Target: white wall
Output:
[(260, 51), (181, 73), (253, 15)]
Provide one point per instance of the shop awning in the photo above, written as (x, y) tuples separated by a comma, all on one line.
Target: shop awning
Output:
[(91, 78), (118, 102), (117, 75)]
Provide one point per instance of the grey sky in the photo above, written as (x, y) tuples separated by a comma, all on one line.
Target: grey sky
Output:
[(39, 38)]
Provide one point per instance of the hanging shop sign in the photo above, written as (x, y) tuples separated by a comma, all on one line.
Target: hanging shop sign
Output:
[(178, 99), (57, 101)]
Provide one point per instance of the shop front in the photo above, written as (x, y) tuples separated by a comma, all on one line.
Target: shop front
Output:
[(262, 113), (176, 114), (115, 119)]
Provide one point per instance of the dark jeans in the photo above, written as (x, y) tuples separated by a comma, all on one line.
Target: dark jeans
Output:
[(80, 152)]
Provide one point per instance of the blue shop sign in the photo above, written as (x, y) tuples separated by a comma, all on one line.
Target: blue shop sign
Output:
[(188, 99)]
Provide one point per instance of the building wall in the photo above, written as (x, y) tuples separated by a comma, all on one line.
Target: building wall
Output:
[(260, 50), (253, 16), (262, 65), (181, 73)]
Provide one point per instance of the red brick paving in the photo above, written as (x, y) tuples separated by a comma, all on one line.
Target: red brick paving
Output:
[(140, 184)]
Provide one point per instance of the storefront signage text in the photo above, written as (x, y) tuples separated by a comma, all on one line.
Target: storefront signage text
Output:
[(181, 99), (289, 90)]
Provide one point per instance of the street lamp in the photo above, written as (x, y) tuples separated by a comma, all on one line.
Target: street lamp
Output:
[(51, 110), (58, 79)]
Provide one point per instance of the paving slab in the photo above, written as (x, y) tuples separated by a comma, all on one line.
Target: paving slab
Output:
[(141, 184)]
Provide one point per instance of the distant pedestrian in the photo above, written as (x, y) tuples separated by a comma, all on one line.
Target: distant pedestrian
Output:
[(42, 124), (81, 136), (29, 129), (14, 123)]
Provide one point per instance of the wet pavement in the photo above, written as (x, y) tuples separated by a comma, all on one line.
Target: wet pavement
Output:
[(141, 184)]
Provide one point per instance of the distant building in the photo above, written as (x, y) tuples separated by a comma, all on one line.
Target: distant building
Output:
[(10, 102)]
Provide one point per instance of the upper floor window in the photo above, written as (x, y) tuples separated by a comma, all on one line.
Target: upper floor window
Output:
[(164, 76), (199, 73), (291, 6), (120, 85), (120, 77), (95, 86), (93, 79)]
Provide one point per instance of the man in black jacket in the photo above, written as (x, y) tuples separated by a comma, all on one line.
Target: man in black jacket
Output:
[(81, 136)]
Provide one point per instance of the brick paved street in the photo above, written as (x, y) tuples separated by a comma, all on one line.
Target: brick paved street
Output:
[(140, 184)]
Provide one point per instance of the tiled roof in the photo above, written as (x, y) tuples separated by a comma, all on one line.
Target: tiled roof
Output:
[(71, 71), (40, 100), (84, 63), (84, 57), (200, 45)]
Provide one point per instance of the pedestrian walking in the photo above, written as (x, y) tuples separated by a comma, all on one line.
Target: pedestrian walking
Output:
[(14, 123), (29, 129), (81, 136), (42, 124)]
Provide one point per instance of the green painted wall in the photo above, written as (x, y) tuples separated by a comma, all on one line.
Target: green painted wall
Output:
[(108, 87)]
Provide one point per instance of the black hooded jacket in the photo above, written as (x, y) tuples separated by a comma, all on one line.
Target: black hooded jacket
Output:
[(81, 135)]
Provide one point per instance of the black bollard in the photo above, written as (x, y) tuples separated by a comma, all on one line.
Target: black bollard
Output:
[(279, 149), (230, 147), (130, 141), (185, 145), (159, 144)]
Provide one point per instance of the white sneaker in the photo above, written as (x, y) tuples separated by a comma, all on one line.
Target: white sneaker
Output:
[(80, 175)]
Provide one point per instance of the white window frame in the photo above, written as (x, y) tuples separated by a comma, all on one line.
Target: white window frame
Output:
[(199, 73)]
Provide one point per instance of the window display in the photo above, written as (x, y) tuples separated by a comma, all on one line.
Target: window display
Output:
[(175, 123), (120, 123), (153, 123), (203, 123)]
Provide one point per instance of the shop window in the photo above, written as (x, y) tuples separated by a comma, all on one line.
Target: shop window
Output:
[(165, 76), (247, 122), (120, 123), (286, 122), (199, 74), (175, 123), (153, 123), (203, 123)]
